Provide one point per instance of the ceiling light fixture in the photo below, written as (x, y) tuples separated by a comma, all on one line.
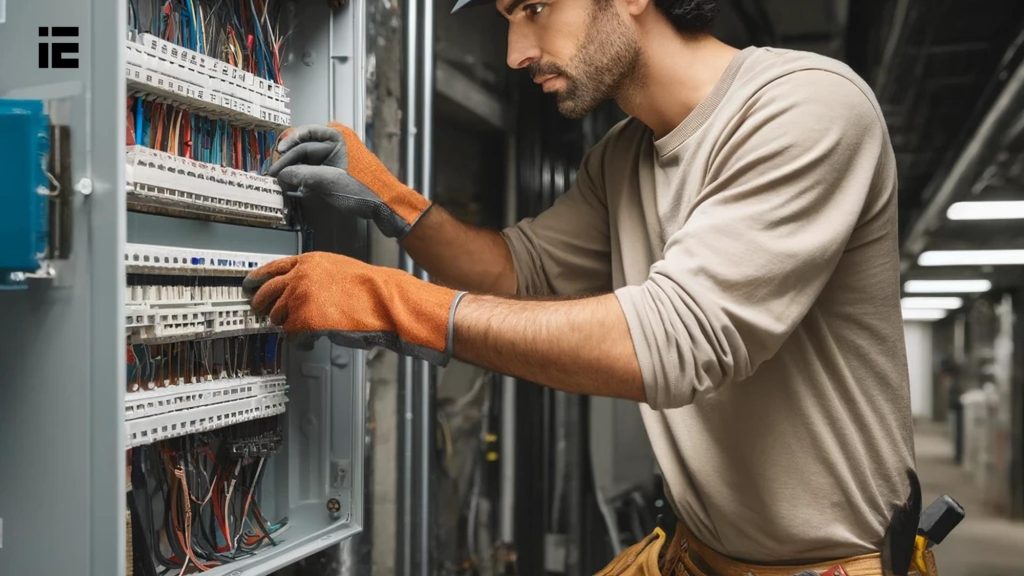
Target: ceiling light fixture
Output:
[(923, 315), (975, 286), (934, 302), (1001, 210), (971, 258)]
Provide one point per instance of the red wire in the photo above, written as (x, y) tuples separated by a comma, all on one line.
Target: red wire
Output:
[(254, 148), (186, 121)]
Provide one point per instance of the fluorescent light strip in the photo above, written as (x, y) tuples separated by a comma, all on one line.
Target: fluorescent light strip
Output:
[(923, 315), (971, 258), (934, 303), (975, 286), (1008, 210)]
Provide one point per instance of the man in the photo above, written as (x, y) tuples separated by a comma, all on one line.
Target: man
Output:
[(727, 258)]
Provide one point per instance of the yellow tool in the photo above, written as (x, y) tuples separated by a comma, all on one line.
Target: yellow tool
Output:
[(937, 521)]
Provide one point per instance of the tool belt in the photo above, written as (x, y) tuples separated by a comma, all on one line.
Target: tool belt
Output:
[(685, 555), (907, 549)]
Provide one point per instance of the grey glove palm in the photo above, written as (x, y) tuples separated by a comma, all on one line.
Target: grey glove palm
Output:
[(331, 162)]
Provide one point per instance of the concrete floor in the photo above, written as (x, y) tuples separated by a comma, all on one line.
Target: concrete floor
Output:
[(984, 544)]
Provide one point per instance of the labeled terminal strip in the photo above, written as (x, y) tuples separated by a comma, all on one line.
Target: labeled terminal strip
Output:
[(178, 294), (161, 181), (156, 259)]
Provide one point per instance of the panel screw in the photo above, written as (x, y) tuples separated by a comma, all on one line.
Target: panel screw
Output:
[(84, 186)]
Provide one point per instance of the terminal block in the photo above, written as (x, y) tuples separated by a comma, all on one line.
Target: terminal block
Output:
[(155, 259), (184, 422), (145, 403), (156, 67), (24, 221), (158, 181), (176, 294)]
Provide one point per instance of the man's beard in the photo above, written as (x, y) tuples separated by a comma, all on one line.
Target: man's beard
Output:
[(607, 60)]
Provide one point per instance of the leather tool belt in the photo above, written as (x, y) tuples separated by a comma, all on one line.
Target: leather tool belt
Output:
[(685, 555)]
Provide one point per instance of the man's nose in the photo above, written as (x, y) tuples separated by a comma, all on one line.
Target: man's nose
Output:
[(522, 48)]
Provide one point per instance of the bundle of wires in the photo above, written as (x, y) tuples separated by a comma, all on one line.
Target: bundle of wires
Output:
[(244, 33), (168, 128), (189, 362), (195, 500)]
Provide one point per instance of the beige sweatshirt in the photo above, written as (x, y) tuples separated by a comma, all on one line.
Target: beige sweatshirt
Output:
[(754, 252)]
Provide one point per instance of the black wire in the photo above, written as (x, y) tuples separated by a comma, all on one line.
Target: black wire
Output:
[(169, 526), (133, 13), (140, 519), (258, 513), (148, 492)]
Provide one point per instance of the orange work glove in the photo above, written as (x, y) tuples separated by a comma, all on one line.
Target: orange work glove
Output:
[(356, 304), (330, 162)]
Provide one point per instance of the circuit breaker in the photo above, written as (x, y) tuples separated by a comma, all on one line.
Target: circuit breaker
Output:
[(143, 401)]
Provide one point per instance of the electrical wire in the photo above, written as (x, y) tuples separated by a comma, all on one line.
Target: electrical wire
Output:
[(244, 33), (168, 128), (227, 466)]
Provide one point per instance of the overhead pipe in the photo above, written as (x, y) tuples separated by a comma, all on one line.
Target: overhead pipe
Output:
[(981, 148)]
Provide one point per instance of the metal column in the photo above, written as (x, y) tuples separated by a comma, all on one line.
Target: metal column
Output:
[(416, 377)]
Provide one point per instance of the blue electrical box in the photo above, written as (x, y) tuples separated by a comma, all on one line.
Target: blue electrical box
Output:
[(24, 190)]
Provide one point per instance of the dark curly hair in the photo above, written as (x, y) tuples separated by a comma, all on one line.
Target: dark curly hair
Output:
[(689, 16)]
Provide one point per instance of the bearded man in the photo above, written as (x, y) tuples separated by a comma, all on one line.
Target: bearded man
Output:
[(727, 258)]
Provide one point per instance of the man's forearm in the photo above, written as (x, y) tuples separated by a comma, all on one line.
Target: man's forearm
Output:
[(581, 346), (461, 256)]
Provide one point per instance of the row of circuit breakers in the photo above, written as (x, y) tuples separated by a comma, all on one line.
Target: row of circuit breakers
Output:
[(204, 372)]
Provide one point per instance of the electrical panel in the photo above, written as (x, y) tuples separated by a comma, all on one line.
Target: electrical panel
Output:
[(144, 401)]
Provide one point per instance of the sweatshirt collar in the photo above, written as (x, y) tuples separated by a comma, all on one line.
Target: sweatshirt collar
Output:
[(699, 115)]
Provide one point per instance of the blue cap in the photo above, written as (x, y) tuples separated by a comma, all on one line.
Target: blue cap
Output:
[(460, 4)]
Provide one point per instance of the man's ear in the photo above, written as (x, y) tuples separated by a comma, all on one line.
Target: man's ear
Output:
[(637, 7)]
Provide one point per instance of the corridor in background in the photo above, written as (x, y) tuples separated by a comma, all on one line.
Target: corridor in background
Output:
[(985, 543)]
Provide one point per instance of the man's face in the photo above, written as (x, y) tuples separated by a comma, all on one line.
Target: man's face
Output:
[(582, 50)]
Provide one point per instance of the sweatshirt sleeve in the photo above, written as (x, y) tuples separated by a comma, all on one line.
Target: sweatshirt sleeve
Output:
[(566, 249), (784, 192)]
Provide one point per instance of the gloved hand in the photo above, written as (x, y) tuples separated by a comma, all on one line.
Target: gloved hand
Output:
[(330, 161), (356, 305)]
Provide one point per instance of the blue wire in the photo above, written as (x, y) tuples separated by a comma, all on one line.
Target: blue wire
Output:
[(187, 37), (200, 39), (217, 144), (145, 129), (259, 153), (139, 123), (262, 53)]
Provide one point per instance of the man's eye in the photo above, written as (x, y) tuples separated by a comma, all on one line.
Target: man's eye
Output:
[(534, 9)]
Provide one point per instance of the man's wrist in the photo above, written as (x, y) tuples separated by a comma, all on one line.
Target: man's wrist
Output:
[(449, 348), (410, 226)]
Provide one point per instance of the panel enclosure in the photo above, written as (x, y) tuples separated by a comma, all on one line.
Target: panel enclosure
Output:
[(62, 353)]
